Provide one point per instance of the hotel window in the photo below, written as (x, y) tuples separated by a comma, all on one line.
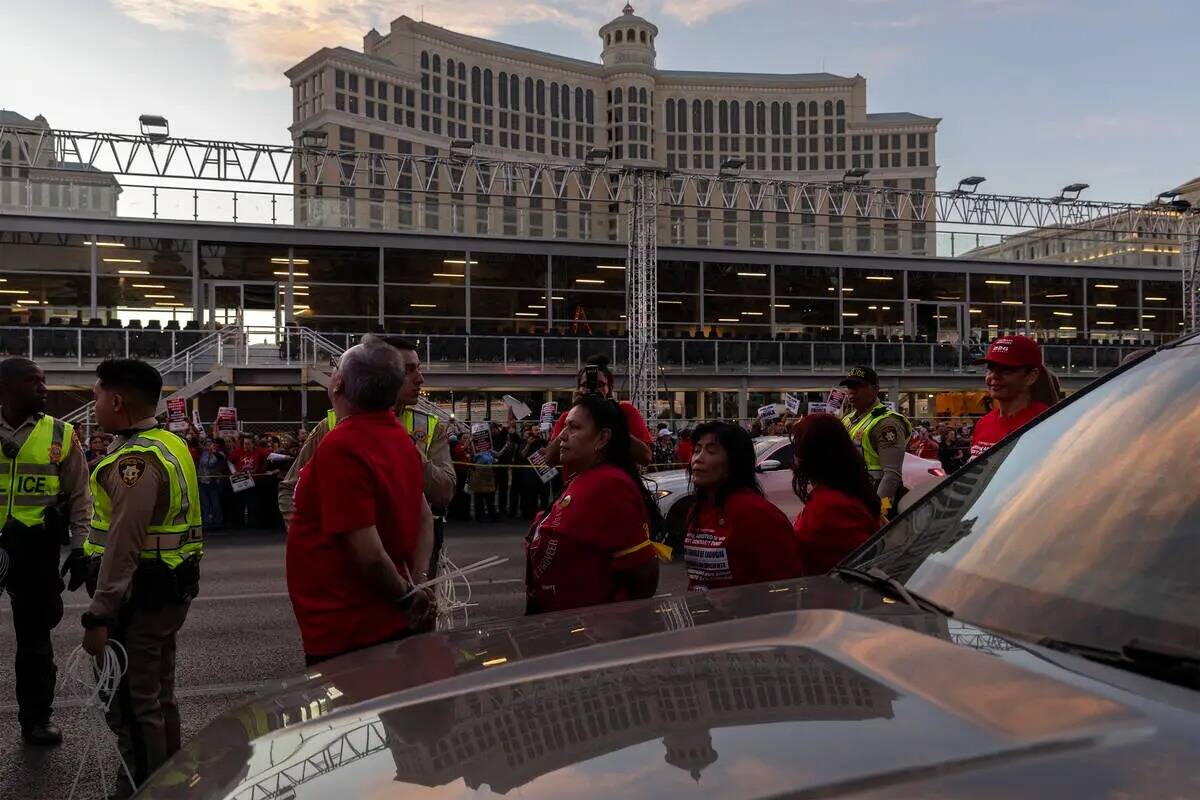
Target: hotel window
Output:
[(339, 79)]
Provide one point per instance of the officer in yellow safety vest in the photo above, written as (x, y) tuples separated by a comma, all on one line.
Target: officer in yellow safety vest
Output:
[(44, 504), (879, 433), (145, 546), (428, 434)]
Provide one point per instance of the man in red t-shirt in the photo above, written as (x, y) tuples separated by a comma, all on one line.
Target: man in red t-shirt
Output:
[(1014, 364), (248, 457), (641, 443), (355, 537)]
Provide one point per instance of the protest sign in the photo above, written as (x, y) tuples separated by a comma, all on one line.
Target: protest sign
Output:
[(227, 421), (196, 420), (177, 421), (818, 408), (519, 410), (768, 412), (544, 470), (548, 415), (834, 401), (792, 403), (241, 481), (481, 437)]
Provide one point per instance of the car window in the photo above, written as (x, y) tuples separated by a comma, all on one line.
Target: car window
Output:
[(1086, 527), (783, 455)]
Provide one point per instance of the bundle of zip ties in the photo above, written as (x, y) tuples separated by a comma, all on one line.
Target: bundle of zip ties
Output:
[(3, 566), (93, 682), (452, 589)]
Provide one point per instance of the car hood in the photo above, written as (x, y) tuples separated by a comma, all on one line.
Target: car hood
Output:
[(673, 480), (806, 687)]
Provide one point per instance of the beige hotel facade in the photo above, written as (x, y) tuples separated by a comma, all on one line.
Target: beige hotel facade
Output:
[(419, 87)]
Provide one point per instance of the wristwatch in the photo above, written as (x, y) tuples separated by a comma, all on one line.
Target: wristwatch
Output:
[(91, 621)]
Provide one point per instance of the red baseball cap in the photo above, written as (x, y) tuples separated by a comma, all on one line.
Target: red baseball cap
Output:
[(1013, 351)]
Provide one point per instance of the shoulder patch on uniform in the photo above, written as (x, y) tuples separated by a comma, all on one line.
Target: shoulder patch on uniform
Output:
[(55, 455), (889, 435), (131, 469)]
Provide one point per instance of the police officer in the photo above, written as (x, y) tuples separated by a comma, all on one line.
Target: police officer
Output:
[(428, 432), (43, 492), (879, 433), (144, 545)]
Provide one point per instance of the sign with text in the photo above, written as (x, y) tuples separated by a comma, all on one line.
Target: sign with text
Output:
[(177, 421), (196, 420), (544, 470), (818, 408), (768, 412), (227, 421), (835, 399), (791, 403), (241, 481), (481, 437), (548, 415)]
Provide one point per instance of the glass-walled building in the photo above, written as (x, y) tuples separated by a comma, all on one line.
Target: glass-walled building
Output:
[(180, 275)]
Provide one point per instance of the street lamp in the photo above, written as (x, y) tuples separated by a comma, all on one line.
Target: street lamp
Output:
[(1170, 199), (732, 167), (154, 127), (313, 139), (969, 185), (856, 176), (597, 157), (461, 148), (1070, 193)]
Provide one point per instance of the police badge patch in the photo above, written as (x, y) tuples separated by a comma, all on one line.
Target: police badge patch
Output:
[(55, 453), (131, 469), (889, 436)]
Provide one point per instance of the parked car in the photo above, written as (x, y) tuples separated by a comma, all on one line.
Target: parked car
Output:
[(1027, 630), (773, 456)]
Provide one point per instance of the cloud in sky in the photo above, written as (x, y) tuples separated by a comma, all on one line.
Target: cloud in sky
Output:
[(265, 37)]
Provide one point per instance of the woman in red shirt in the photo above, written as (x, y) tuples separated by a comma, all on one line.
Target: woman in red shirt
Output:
[(593, 546), (1016, 379), (841, 506), (734, 535)]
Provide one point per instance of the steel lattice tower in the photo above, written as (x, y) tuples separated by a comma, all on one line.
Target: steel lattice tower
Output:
[(642, 282), (1189, 253)]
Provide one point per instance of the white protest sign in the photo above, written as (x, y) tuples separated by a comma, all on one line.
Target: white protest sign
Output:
[(177, 421), (241, 481), (792, 403), (544, 470), (818, 408), (196, 420), (768, 412), (481, 436), (519, 410)]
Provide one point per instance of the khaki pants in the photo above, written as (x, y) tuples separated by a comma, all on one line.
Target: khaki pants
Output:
[(144, 715)]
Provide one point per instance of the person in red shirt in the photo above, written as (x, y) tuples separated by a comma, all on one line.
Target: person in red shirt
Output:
[(641, 443), (683, 450), (356, 534), (735, 535), (1015, 376), (593, 546), (841, 505)]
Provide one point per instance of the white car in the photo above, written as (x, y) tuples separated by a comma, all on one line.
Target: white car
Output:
[(773, 457)]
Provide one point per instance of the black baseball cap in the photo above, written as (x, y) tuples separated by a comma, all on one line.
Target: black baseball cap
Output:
[(860, 375)]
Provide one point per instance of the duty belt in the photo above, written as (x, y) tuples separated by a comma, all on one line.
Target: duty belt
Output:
[(153, 541)]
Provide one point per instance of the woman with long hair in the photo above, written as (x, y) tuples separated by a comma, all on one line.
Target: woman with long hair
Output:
[(734, 534), (841, 505), (594, 544)]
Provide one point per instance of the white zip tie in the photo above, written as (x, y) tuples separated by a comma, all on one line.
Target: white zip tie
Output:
[(446, 589), (94, 683)]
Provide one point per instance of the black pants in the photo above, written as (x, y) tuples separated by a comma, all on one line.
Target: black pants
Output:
[(485, 504), (503, 482), (439, 538), (35, 614)]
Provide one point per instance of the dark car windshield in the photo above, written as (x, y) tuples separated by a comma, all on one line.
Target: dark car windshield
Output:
[(1086, 527)]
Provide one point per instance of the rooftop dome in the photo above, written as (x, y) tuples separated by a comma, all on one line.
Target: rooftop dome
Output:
[(628, 39)]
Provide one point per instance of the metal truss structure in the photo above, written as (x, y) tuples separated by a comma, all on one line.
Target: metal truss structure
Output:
[(641, 282), (314, 169), (356, 744)]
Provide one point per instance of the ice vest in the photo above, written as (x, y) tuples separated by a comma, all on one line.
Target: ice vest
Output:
[(860, 432), (175, 537), (420, 426), (29, 482)]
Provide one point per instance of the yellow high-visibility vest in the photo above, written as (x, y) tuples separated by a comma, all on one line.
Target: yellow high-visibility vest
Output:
[(178, 535), (29, 483), (860, 432), (420, 426)]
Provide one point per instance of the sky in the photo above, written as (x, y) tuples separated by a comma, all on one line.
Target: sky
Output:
[(1033, 94)]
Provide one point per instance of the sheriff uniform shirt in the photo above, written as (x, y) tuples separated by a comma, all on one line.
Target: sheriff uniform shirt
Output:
[(747, 540), (993, 427), (597, 528), (366, 472)]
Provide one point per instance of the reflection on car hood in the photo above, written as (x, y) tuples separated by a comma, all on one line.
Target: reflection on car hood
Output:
[(805, 686), (673, 480)]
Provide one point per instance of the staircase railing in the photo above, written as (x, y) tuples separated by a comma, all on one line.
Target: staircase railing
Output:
[(223, 343)]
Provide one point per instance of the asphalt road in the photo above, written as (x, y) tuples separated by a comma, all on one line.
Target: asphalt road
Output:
[(240, 632)]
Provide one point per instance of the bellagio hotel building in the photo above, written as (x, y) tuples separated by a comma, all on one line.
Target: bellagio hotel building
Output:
[(420, 87)]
